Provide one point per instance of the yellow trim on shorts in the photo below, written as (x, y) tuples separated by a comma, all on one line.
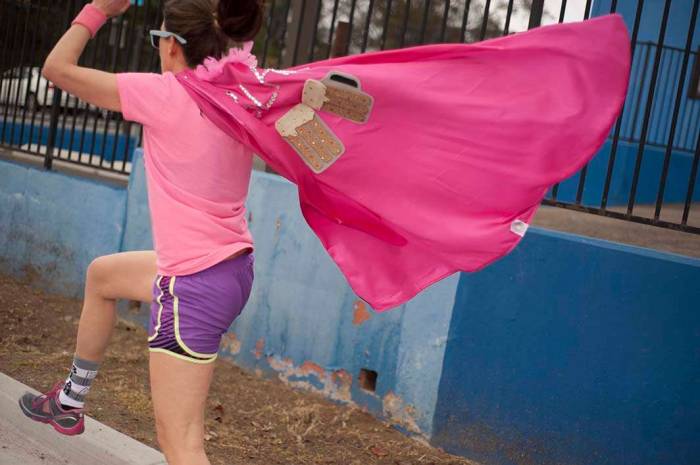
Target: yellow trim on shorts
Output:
[(177, 325), (180, 356), (160, 310)]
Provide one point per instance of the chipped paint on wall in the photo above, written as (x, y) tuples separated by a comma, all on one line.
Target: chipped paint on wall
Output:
[(334, 384), (337, 385), (360, 313), (400, 413), (231, 343), (259, 347)]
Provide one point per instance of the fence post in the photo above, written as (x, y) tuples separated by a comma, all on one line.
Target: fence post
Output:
[(340, 42), (536, 14), (53, 127), (57, 95), (300, 32)]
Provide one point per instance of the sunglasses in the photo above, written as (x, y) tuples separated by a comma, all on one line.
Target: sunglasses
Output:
[(156, 34)]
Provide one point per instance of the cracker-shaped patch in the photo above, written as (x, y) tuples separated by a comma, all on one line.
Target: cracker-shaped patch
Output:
[(338, 98), (317, 145)]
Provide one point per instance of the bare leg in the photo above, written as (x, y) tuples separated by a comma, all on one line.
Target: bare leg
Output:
[(179, 391), (124, 275)]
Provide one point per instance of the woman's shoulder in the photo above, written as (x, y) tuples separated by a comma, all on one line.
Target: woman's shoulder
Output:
[(157, 82), (145, 97)]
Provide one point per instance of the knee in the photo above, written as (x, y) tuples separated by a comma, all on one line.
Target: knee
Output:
[(97, 273)]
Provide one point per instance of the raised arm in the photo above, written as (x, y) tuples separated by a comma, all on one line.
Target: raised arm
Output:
[(91, 85)]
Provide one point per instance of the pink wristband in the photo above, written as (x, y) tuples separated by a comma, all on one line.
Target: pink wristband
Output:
[(91, 17)]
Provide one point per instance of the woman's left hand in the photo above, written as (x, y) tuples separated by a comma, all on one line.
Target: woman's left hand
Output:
[(112, 7)]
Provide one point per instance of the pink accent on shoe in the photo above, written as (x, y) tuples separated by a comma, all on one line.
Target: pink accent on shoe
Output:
[(73, 430), (55, 412), (77, 429), (52, 393)]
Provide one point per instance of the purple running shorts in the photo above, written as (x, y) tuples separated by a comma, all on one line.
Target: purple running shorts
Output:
[(190, 313)]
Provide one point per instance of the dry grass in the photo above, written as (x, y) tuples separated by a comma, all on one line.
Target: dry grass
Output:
[(249, 420)]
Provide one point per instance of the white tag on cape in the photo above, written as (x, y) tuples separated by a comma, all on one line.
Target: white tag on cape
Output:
[(519, 227)]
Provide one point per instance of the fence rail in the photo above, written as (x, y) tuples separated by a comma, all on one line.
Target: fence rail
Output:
[(646, 172)]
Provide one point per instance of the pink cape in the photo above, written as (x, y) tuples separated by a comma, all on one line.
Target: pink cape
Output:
[(461, 145)]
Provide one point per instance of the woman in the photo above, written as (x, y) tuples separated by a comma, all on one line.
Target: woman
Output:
[(200, 275), (442, 174)]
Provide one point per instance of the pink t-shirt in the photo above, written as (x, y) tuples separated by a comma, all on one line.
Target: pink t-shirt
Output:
[(197, 176)]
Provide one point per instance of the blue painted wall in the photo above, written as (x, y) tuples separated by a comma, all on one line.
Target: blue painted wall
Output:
[(569, 350), (53, 225), (574, 351)]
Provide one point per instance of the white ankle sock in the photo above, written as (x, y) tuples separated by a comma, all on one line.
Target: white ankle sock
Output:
[(77, 385)]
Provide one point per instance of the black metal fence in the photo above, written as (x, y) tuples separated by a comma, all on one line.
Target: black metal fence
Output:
[(647, 172), (670, 69)]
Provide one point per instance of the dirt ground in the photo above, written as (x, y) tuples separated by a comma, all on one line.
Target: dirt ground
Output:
[(249, 420)]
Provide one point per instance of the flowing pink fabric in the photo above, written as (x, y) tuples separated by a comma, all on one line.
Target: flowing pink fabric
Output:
[(463, 141)]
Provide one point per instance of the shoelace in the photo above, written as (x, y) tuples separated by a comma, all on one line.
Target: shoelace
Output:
[(45, 397)]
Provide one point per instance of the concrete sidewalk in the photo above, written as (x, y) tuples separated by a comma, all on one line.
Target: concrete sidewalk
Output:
[(27, 442)]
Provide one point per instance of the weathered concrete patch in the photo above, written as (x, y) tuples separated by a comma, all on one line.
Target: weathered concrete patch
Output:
[(231, 343), (360, 313), (400, 413), (259, 348), (337, 385), (334, 384)]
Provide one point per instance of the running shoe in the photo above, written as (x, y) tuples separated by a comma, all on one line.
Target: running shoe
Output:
[(47, 409)]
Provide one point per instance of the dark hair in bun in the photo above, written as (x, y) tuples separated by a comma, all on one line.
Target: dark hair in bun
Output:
[(240, 19), (212, 26)]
